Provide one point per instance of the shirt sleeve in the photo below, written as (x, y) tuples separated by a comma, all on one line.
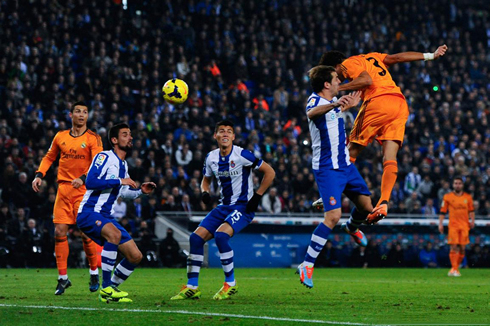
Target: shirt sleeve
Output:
[(444, 205), (249, 159), (471, 208), (96, 174), (50, 156), (130, 193), (206, 170), (96, 145), (352, 67), (313, 102)]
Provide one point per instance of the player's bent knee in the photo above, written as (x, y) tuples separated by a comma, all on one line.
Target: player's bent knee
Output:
[(135, 257), (114, 236), (196, 240)]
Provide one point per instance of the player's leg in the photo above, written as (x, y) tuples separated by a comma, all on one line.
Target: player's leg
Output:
[(112, 235), (132, 258), (390, 135), (236, 221), (318, 240), (62, 251), (357, 217), (222, 237), (61, 219), (89, 246), (197, 239), (463, 241)]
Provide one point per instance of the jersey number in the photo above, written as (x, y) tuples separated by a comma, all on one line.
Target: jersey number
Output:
[(235, 216), (376, 64)]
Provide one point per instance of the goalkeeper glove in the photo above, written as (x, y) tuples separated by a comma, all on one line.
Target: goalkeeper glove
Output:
[(206, 197), (253, 203)]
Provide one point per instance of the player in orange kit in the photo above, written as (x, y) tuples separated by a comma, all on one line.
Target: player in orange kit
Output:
[(461, 220), (384, 111), (77, 147)]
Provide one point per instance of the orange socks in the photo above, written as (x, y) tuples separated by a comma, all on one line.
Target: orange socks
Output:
[(454, 258), (62, 251), (352, 159), (460, 259), (90, 248), (390, 173)]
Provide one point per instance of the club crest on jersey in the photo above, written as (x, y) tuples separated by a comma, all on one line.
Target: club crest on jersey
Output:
[(100, 160), (332, 201), (232, 164), (83, 145), (98, 223)]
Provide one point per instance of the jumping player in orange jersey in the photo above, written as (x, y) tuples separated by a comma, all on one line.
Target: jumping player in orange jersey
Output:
[(461, 220), (77, 148), (384, 111)]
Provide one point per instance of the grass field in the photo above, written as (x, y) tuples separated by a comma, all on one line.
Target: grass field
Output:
[(265, 297)]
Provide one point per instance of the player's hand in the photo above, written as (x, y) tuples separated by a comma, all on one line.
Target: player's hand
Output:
[(77, 183), (253, 203), (441, 228), (36, 183), (148, 187), (353, 100), (129, 182), (440, 52), (206, 197)]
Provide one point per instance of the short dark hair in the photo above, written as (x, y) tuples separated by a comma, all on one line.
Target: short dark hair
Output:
[(78, 103), (332, 58), (319, 75), (114, 131), (458, 178), (224, 123)]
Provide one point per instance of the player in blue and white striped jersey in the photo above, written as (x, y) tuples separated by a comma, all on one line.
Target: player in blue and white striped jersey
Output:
[(232, 167), (334, 173), (106, 180)]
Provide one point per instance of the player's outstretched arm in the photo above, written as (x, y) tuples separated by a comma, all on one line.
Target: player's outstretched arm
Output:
[(391, 59), (441, 227), (320, 110), (360, 82), (351, 100)]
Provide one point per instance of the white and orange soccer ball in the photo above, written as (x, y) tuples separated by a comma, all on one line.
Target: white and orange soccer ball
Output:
[(175, 91)]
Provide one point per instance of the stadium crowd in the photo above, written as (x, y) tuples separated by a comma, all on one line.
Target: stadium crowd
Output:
[(246, 61)]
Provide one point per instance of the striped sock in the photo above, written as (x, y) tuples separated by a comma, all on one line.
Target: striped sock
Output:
[(109, 255), (355, 220), (122, 272), (195, 259), (318, 240), (226, 256)]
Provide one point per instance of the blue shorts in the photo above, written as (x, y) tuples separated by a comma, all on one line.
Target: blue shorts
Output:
[(92, 223), (332, 183), (234, 215)]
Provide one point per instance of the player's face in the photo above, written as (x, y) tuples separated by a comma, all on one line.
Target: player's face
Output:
[(458, 185), (334, 85), (79, 116), (338, 70), (125, 140), (224, 136)]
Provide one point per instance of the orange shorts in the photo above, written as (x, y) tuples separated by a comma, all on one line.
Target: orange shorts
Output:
[(457, 236), (383, 117), (67, 201)]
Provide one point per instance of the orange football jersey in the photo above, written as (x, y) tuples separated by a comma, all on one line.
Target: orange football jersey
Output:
[(459, 208), (76, 154), (373, 64)]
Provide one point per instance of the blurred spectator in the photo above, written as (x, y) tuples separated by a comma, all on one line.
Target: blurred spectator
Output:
[(428, 256), (271, 203), (119, 209), (170, 254)]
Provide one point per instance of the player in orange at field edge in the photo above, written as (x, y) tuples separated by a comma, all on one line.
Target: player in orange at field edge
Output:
[(77, 147), (384, 111), (461, 220)]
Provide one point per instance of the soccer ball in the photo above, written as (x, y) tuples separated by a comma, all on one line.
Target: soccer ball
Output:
[(175, 91)]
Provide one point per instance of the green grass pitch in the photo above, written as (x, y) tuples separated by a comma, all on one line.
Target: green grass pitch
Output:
[(265, 297)]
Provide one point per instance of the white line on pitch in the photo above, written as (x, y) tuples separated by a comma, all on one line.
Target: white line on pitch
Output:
[(184, 312)]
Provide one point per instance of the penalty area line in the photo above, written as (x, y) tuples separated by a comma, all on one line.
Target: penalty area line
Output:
[(183, 312)]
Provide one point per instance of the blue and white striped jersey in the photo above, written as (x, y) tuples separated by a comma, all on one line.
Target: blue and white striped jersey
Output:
[(328, 139), (103, 184), (233, 173)]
